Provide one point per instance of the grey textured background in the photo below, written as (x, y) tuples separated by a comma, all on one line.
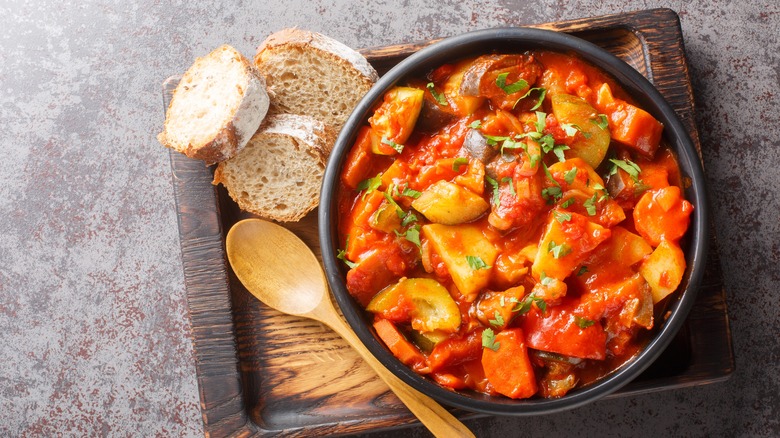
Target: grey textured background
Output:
[(93, 326)]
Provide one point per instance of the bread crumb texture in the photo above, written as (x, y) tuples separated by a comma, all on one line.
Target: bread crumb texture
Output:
[(216, 108), (278, 174)]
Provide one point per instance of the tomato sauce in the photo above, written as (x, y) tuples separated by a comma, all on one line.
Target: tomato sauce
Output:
[(513, 223)]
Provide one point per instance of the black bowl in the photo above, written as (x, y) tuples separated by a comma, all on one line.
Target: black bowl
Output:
[(517, 40)]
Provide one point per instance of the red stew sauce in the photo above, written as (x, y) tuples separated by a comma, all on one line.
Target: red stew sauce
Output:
[(512, 223)]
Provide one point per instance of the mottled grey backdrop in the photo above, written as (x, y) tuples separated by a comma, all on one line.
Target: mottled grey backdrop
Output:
[(93, 327)]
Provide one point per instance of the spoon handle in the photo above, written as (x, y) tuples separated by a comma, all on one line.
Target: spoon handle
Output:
[(437, 419)]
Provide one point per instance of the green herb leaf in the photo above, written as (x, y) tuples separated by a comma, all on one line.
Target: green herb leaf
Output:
[(511, 144), (398, 210), (410, 193), (567, 203), (413, 235), (602, 122), (440, 99), (590, 205), (547, 143), (558, 151), (371, 184), (408, 218), (476, 124), (545, 280), (496, 194), (583, 323), (557, 250), (493, 140), (561, 217), (398, 147), (510, 88), (631, 168), (524, 306), (540, 121), (582, 271), (539, 100), (460, 161), (476, 263), (489, 339), (498, 320), (342, 255), (570, 175), (570, 129), (508, 180)]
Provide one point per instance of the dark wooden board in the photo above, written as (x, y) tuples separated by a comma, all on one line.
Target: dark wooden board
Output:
[(264, 373)]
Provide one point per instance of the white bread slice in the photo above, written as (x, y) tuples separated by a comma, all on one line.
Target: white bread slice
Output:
[(309, 73), (216, 108), (278, 174)]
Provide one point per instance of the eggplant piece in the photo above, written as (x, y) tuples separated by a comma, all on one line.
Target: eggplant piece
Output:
[(476, 145), (433, 116), (480, 78)]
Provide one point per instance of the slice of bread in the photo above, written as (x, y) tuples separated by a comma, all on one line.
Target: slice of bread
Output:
[(216, 108), (309, 73), (278, 174)]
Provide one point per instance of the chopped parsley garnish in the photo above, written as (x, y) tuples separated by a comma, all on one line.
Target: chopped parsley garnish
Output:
[(583, 323), (553, 193), (570, 129), (631, 168), (489, 339), (567, 203), (342, 255), (511, 144), (570, 175), (561, 217), (590, 205), (371, 184), (508, 180), (460, 161), (408, 218), (540, 121), (557, 250), (476, 263), (398, 147), (410, 193), (583, 270), (497, 320), (398, 210), (539, 100), (493, 140), (558, 151), (510, 88), (476, 124), (496, 195), (440, 99), (601, 122), (412, 235), (545, 280), (524, 306)]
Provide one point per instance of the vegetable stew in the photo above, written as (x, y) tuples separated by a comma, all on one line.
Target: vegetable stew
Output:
[(512, 223)]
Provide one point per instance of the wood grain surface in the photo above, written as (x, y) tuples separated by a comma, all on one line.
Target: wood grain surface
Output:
[(264, 373)]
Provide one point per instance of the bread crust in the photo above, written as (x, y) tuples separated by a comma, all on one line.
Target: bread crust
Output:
[(340, 52), (235, 132)]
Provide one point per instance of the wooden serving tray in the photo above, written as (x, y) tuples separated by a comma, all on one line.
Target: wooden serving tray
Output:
[(264, 373)]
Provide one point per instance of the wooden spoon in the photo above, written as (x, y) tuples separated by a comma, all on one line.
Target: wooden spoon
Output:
[(282, 272)]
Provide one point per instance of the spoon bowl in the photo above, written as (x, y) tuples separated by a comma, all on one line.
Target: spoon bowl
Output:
[(281, 271)]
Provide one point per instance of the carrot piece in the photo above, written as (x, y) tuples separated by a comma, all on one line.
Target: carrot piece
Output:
[(454, 351), (629, 124), (509, 369), (662, 214), (358, 163), (401, 348)]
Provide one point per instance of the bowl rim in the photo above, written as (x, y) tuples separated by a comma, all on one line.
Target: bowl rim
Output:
[(516, 39)]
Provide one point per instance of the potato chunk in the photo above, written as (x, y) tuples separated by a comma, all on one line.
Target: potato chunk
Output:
[(394, 120), (663, 269), (467, 254), (565, 244), (448, 203)]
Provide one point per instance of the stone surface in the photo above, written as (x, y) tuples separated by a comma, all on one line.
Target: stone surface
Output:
[(93, 326)]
